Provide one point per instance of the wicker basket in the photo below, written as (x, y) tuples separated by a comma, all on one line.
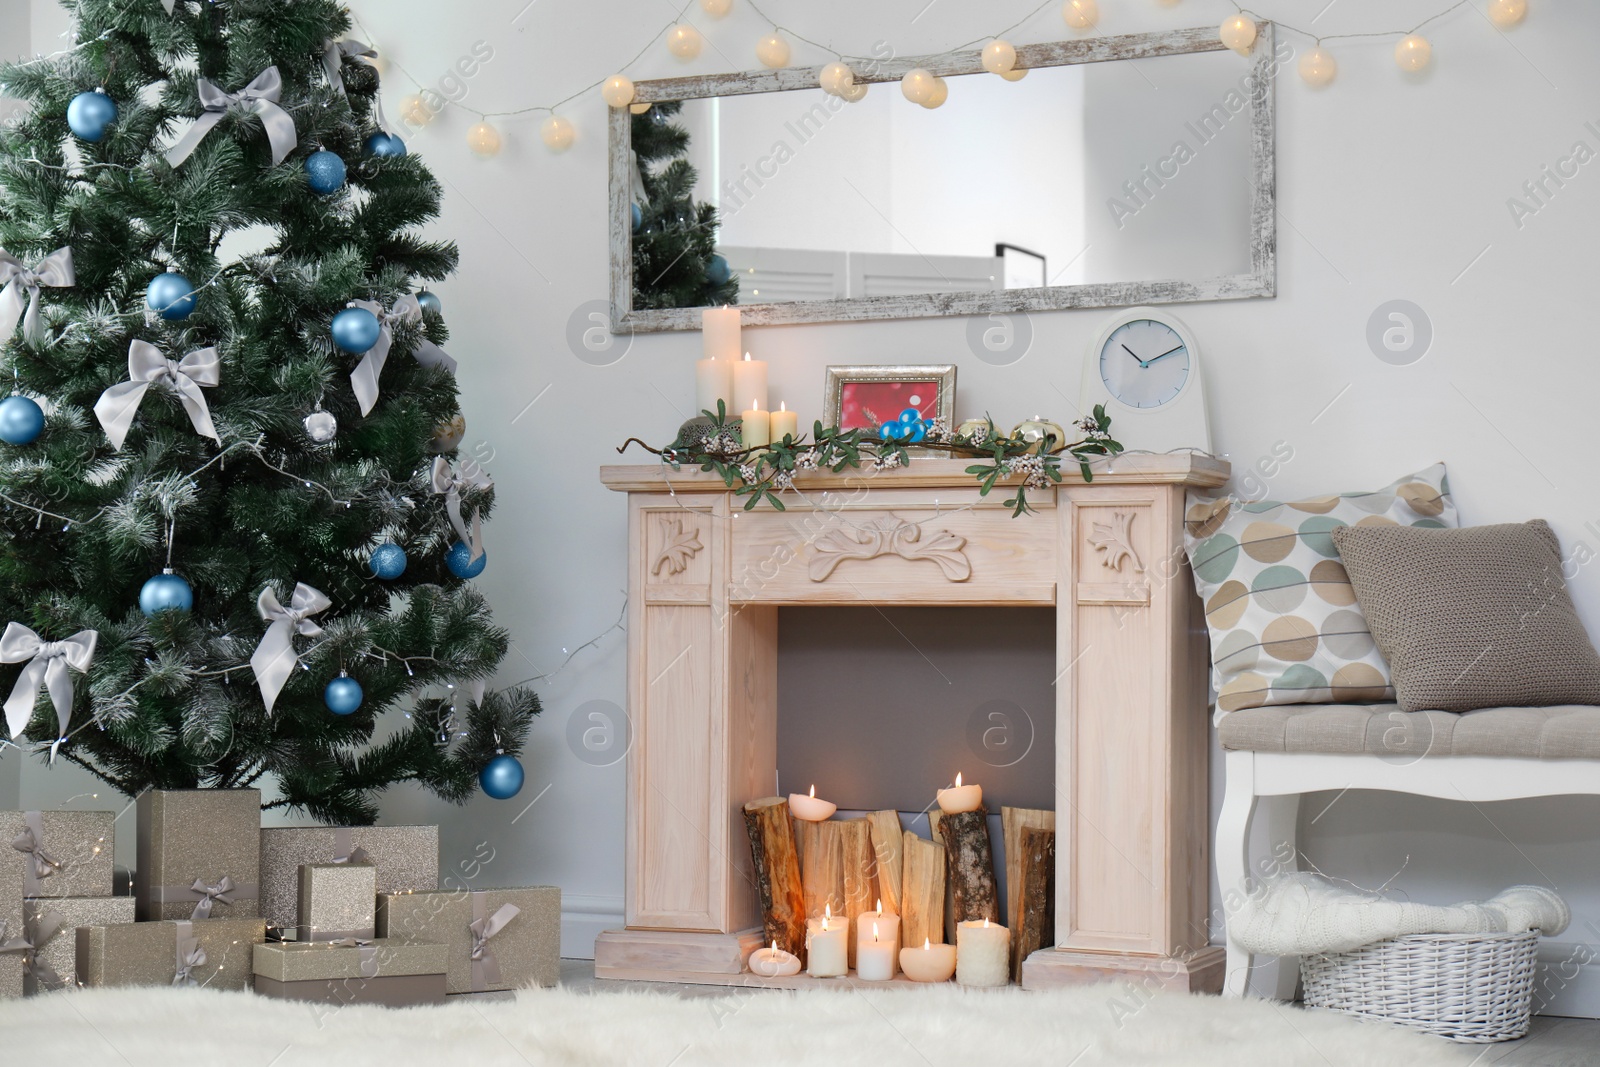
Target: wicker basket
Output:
[(1466, 987)]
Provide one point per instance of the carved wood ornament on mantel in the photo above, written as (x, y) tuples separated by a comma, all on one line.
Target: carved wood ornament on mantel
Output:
[(890, 537), (1116, 541), (678, 547)]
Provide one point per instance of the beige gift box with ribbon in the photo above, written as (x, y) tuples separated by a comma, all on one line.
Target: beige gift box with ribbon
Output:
[(498, 938), (66, 853), (199, 854), (215, 953), (51, 924), (406, 857), (352, 971)]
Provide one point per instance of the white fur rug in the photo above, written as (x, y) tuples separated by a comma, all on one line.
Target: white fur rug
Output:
[(881, 1028)]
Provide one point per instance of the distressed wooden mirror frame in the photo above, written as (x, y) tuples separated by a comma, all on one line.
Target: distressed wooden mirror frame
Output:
[(1260, 281)]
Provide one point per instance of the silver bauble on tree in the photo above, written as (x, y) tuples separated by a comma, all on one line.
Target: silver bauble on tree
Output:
[(321, 426)]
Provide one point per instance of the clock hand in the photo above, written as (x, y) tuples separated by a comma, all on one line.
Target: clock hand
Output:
[(1164, 355), (1130, 352)]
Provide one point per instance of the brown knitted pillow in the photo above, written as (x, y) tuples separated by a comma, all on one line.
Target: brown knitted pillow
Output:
[(1472, 618)]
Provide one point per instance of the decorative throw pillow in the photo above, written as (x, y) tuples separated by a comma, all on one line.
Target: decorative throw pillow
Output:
[(1285, 626), (1473, 618)]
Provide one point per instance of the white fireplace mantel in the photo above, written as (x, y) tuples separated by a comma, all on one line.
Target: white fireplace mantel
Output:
[(706, 579)]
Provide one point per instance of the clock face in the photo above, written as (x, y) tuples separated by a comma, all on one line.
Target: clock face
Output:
[(1144, 363)]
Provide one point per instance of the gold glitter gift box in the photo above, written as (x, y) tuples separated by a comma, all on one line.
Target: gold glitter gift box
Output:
[(66, 853), (397, 973), (13, 943), (498, 938), (337, 900), (406, 857), (51, 923), (199, 854), (208, 952)]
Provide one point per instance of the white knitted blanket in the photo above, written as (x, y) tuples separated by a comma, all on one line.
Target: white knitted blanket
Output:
[(1298, 913)]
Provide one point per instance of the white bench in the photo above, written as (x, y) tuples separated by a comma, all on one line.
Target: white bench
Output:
[(1276, 754)]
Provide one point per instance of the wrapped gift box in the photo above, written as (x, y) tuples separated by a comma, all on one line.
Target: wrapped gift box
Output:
[(199, 854), (51, 923), (516, 932), (67, 853), (337, 900), (381, 971), (406, 857), (10, 963), (208, 952)]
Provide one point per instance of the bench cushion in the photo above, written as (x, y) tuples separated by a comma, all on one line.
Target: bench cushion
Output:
[(1567, 731)]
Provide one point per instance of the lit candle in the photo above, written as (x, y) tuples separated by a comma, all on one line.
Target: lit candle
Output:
[(877, 944), (960, 798), (784, 422), (983, 953), (757, 430), (774, 962), (930, 963), (809, 808), (719, 334), (827, 946), (750, 379), (713, 381)]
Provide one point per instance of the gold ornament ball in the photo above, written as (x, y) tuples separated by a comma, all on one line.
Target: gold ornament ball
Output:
[(1238, 33), (414, 111), (940, 93), (1413, 53), (1317, 67), (999, 57), (855, 93), (1040, 434), (1081, 14), (448, 434), (773, 51), (638, 109), (1015, 74), (1507, 13), (684, 41), (917, 85), (558, 133), (835, 78), (617, 91), (716, 8), (484, 140)]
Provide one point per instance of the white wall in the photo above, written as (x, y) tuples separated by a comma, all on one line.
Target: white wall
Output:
[(1389, 187)]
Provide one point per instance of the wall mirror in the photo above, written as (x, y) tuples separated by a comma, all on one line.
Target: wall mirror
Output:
[(1118, 171)]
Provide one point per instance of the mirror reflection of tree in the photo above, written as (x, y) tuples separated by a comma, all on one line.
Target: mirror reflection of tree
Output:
[(675, 264)]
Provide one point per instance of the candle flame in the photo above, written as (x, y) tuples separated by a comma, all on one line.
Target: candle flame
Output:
[(783, 405), (813, 791), (958, 779), (774, 946), (880, 905), (755, 405), (926, 947), (986, 922), (874, 931), (747, 355)]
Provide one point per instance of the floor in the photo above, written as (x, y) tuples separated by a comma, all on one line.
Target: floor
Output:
[(1553, 1042)]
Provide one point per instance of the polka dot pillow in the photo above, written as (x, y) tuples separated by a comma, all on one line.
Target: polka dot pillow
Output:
[(1285, 625)]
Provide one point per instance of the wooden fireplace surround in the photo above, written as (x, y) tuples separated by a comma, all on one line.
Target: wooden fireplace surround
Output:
[(706, 580)]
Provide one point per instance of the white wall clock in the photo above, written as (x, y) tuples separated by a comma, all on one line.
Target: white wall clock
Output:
[(1145, 368)]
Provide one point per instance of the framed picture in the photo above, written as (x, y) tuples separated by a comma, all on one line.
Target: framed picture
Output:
[(1021, 268), (858, 397)]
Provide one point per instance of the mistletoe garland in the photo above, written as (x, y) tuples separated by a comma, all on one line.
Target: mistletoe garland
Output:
[(762, 473)]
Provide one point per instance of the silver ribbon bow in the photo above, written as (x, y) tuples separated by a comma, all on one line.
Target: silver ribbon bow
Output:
[(169, 5), (148, 366), (334, 53), (47, 666), (21, 291), (451, 481), (260, 96), (189, 954), (485, 968), (221, 893), (364, 379), (33, 938), (274, 658), (473, 691), (345, 850), (39, 864)]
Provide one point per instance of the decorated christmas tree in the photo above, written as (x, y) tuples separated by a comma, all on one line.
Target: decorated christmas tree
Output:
[(237, 526), (675, 260)]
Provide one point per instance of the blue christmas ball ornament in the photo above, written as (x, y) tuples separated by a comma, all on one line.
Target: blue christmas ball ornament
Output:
[(172, 295), (717, 272), (388, 560), (325, 172), (356, 330), (385, 145), (166, 591), (21, 420), (501, 777), (342, 695), (459, 560), (638, 217), (430, 303), (89, 114)]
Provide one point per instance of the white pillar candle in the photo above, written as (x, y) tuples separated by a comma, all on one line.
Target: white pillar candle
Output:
[(713, 381), (877, 944), (809, 808), (774, 962), (784, 421), (960, 798), (983, 953), (757, 429), (930, 963), (750, 381), (719, 333), (827, 946)]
